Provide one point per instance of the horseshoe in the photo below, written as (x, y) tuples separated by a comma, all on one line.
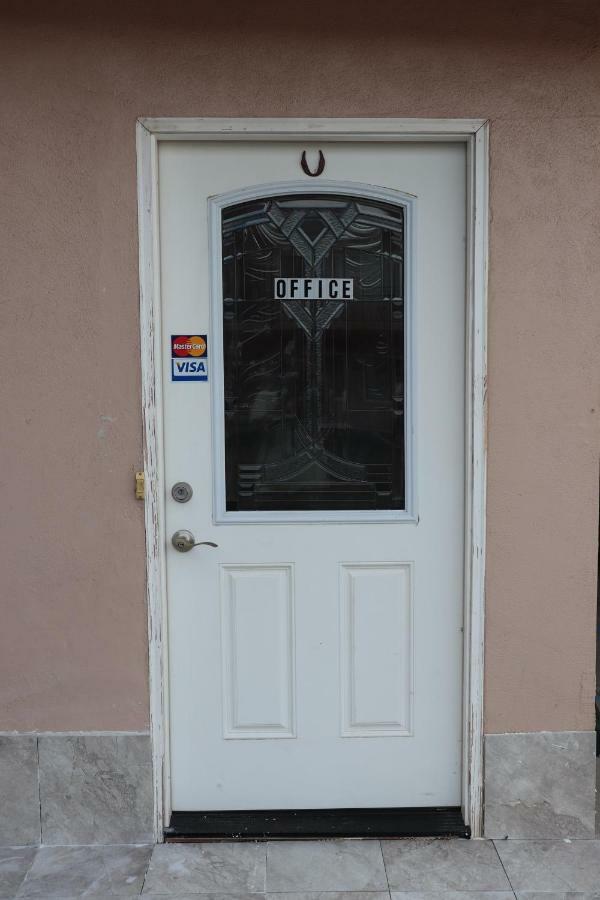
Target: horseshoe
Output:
[(319, 169)]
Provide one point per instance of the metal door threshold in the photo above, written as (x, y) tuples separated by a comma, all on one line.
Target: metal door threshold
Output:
[(306, 824)]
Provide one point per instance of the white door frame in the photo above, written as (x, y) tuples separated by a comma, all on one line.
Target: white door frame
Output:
[(473, 133)]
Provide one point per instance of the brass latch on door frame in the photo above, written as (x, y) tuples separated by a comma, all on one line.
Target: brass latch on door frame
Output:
[(140, 486)]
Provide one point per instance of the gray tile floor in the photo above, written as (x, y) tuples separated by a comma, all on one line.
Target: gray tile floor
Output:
[(415, 869)]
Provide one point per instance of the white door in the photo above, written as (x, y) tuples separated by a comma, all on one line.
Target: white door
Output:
[(314, 655)]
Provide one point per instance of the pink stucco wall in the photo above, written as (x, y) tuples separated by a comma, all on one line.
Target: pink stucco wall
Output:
[(74, 652)]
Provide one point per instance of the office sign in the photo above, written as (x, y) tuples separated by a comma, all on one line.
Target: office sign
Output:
[(314, 288)]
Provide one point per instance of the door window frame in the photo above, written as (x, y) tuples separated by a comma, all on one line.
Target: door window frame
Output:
[(474, 134), (216, 205)]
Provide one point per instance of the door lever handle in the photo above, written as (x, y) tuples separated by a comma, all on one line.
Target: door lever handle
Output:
[(184, 541)]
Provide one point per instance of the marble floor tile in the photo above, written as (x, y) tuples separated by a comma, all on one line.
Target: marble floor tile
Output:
[(452, 895), (181, 869), (556, 866), (66, 873), (431, 864), (217, 896), (15, 862), (558, 895), (330, 895), (340, 865)]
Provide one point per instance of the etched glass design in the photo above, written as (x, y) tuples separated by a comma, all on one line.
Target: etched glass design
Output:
[(314, 365)]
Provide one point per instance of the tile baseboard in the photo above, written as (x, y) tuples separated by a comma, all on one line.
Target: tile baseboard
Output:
[(540, 785), (76, 788), (96, 788), (20, 808)]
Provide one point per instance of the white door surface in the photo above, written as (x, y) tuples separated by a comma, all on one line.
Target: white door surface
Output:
[(315, 654)]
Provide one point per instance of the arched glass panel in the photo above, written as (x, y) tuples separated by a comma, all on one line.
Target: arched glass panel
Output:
[(313, 342)]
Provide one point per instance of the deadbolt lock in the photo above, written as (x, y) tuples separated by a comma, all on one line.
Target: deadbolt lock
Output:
[(182, 492)]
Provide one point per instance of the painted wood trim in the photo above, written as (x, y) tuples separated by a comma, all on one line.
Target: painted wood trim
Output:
[(178, 128), (153, 463), (475, 487), (473, 132)]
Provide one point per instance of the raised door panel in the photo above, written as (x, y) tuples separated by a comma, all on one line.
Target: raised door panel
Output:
[(376, 649), (258, 651)]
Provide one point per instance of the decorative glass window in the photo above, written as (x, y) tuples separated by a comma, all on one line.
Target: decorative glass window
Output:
[(313, 330)]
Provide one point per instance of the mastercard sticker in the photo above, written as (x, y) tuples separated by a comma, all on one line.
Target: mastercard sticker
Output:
[(189, 357)]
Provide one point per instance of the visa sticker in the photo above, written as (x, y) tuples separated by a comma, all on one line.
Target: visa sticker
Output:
[(189, 357)]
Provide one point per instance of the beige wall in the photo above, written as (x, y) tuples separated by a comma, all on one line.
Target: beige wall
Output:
[(73, 630)]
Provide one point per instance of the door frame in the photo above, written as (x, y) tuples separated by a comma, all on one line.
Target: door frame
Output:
[(474, 134)]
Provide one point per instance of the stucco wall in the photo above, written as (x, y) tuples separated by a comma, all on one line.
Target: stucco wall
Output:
[(73, 632)]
